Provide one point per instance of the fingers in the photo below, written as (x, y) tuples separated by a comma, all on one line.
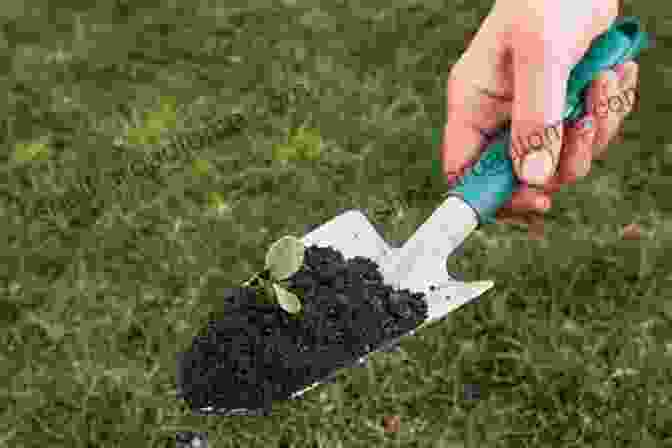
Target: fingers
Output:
[(577, 152), (611, 98), (579, 142), (604, 118), (602, 95)]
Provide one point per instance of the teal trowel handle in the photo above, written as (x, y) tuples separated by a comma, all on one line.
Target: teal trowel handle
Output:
[(489, 184)]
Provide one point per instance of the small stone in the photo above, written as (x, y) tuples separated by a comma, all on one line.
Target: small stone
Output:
[(632, 232), (392, 423)]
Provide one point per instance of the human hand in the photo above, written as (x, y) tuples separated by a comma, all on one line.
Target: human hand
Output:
[(517, 68)]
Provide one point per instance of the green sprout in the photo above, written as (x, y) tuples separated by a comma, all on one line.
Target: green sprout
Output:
[(203, 167), (217, 204), (283, 259), (303, 144), (25, 152)]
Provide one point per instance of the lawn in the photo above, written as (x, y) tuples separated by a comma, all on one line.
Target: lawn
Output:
[(152, 152)]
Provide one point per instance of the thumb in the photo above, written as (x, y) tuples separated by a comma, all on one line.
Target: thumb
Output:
[(541, 71)]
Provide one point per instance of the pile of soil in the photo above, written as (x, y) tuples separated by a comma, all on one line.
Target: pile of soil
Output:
[(256, 353)]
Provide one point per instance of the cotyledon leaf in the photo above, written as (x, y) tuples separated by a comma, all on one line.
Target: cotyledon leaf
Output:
[(285, 257)]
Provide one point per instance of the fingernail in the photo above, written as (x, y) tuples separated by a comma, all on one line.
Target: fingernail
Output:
[(537, 167), (620, 71)]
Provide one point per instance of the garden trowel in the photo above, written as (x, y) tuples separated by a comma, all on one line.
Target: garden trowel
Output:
[(420, 264)]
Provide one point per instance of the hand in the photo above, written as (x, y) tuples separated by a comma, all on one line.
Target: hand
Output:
[(517, 68)]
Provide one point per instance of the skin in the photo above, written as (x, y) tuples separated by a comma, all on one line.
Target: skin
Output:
[(516, 68)]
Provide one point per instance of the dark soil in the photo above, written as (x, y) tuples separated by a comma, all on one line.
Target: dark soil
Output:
[(256, 353)]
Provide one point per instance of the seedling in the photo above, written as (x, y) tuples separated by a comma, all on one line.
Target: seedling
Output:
[(25, 152), (302, 144), (283, 259)]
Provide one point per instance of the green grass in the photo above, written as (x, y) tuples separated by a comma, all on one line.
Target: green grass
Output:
[(103, 285)]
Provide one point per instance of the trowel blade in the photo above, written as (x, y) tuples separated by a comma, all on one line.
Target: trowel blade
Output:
[(353, 235)]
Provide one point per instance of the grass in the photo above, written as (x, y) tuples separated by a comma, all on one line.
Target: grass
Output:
[(107, 272)]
